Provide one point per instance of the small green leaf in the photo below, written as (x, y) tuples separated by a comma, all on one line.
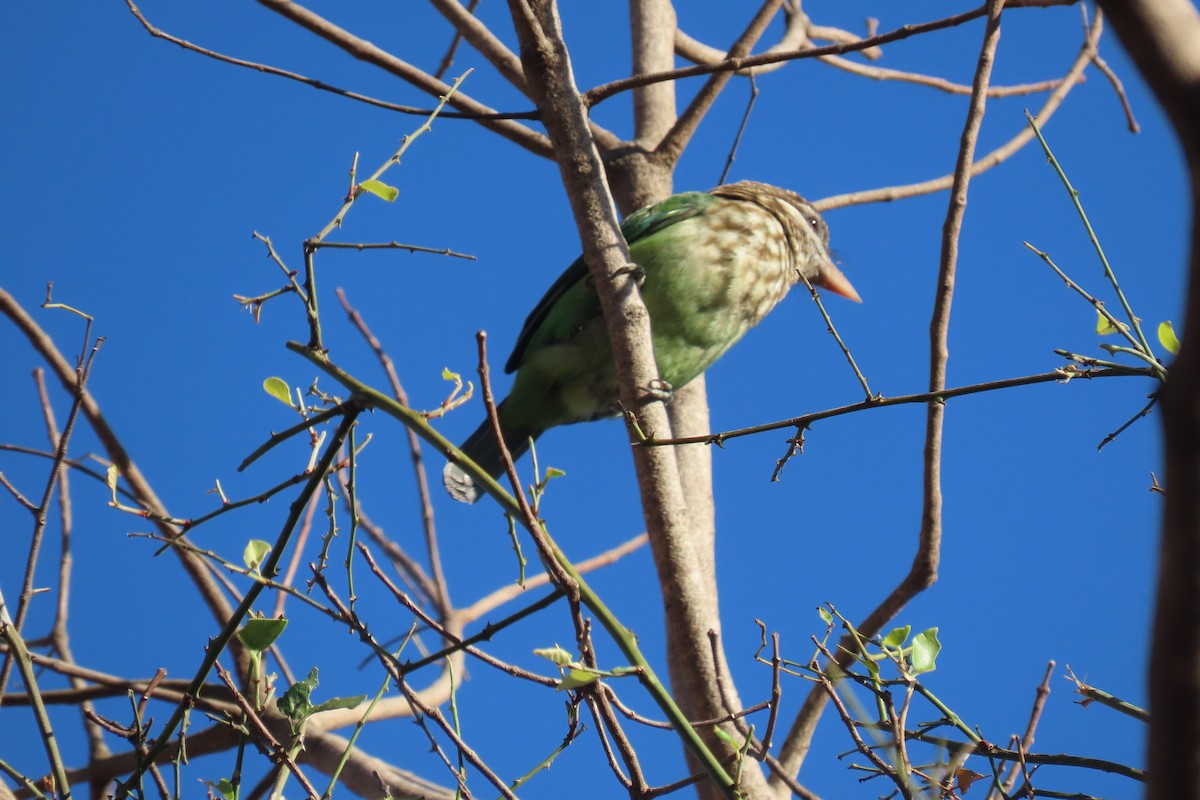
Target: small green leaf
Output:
[(825, 615), (897, 636), (1166, 336), (259, 634), (554, 472), (256, 550), (925, 649), (1103, 326), (338, 702), (556, 654), (447, 375), (223, 787), (111, 475), (295, 704), (576, 678), (380, 189), (278, 388)]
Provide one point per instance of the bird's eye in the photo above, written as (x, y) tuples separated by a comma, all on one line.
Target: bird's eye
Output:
[(815, 222)]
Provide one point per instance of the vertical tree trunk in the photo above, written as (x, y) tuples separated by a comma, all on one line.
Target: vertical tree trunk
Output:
[(1162, 36)]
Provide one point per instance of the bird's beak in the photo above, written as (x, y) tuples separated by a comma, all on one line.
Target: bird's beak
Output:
[(831, 278)]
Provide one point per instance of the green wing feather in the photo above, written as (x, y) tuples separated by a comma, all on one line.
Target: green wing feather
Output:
[(571, 300)]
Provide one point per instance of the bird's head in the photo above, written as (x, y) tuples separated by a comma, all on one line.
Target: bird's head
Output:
[(807, 233)]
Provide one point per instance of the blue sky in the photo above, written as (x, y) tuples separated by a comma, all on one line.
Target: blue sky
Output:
[(134, 173)]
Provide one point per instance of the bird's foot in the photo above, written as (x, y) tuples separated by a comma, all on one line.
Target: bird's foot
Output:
[(658, 390), (639, 274)]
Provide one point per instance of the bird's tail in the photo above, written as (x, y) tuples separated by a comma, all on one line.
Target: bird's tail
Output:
[(482, 448)]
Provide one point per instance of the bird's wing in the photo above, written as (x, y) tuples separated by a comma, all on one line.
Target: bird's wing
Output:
[(571, 300)]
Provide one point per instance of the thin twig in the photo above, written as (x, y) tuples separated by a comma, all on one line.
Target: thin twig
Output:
[(776, 697), (1139, 415), (279, 753), (412, 248), (1091, 693), (833, 332), (448, 59), (267, 69), (1062, 375), (737, 139), (1035, 715), (1108, 270), (1116, 324), (437, 588), (676, 139), (1118, 87), (370, 53)]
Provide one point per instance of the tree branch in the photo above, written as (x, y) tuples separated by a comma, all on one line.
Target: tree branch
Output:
[(685, 127), (599, 94), (489, 46), (366, 51), (996, 157)]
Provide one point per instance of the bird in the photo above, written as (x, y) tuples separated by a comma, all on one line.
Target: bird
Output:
[(712, 265)]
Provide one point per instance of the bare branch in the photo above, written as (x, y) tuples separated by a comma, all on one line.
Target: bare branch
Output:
[(798, 33), (1062, 375), (315, 83), (599, 94), (933, 81), (438, 587), (681, 132), (366, 51), (482, 39), (998, 156)]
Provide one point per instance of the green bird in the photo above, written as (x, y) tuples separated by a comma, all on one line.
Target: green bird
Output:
[(714, 263)]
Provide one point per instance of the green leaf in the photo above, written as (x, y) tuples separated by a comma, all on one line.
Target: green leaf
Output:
[(1103, 326), (256, 550), (111, 475), (554, 472), (897, 636), (224, 788), (295, 704), (380, 189), (556, 654), (925, 649), (1166, 337), (259, 634), (576, 678), (338, 702), (278, 388), (825, 615)]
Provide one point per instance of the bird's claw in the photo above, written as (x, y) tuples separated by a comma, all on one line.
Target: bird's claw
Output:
[(659, 390), (638, 273)]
